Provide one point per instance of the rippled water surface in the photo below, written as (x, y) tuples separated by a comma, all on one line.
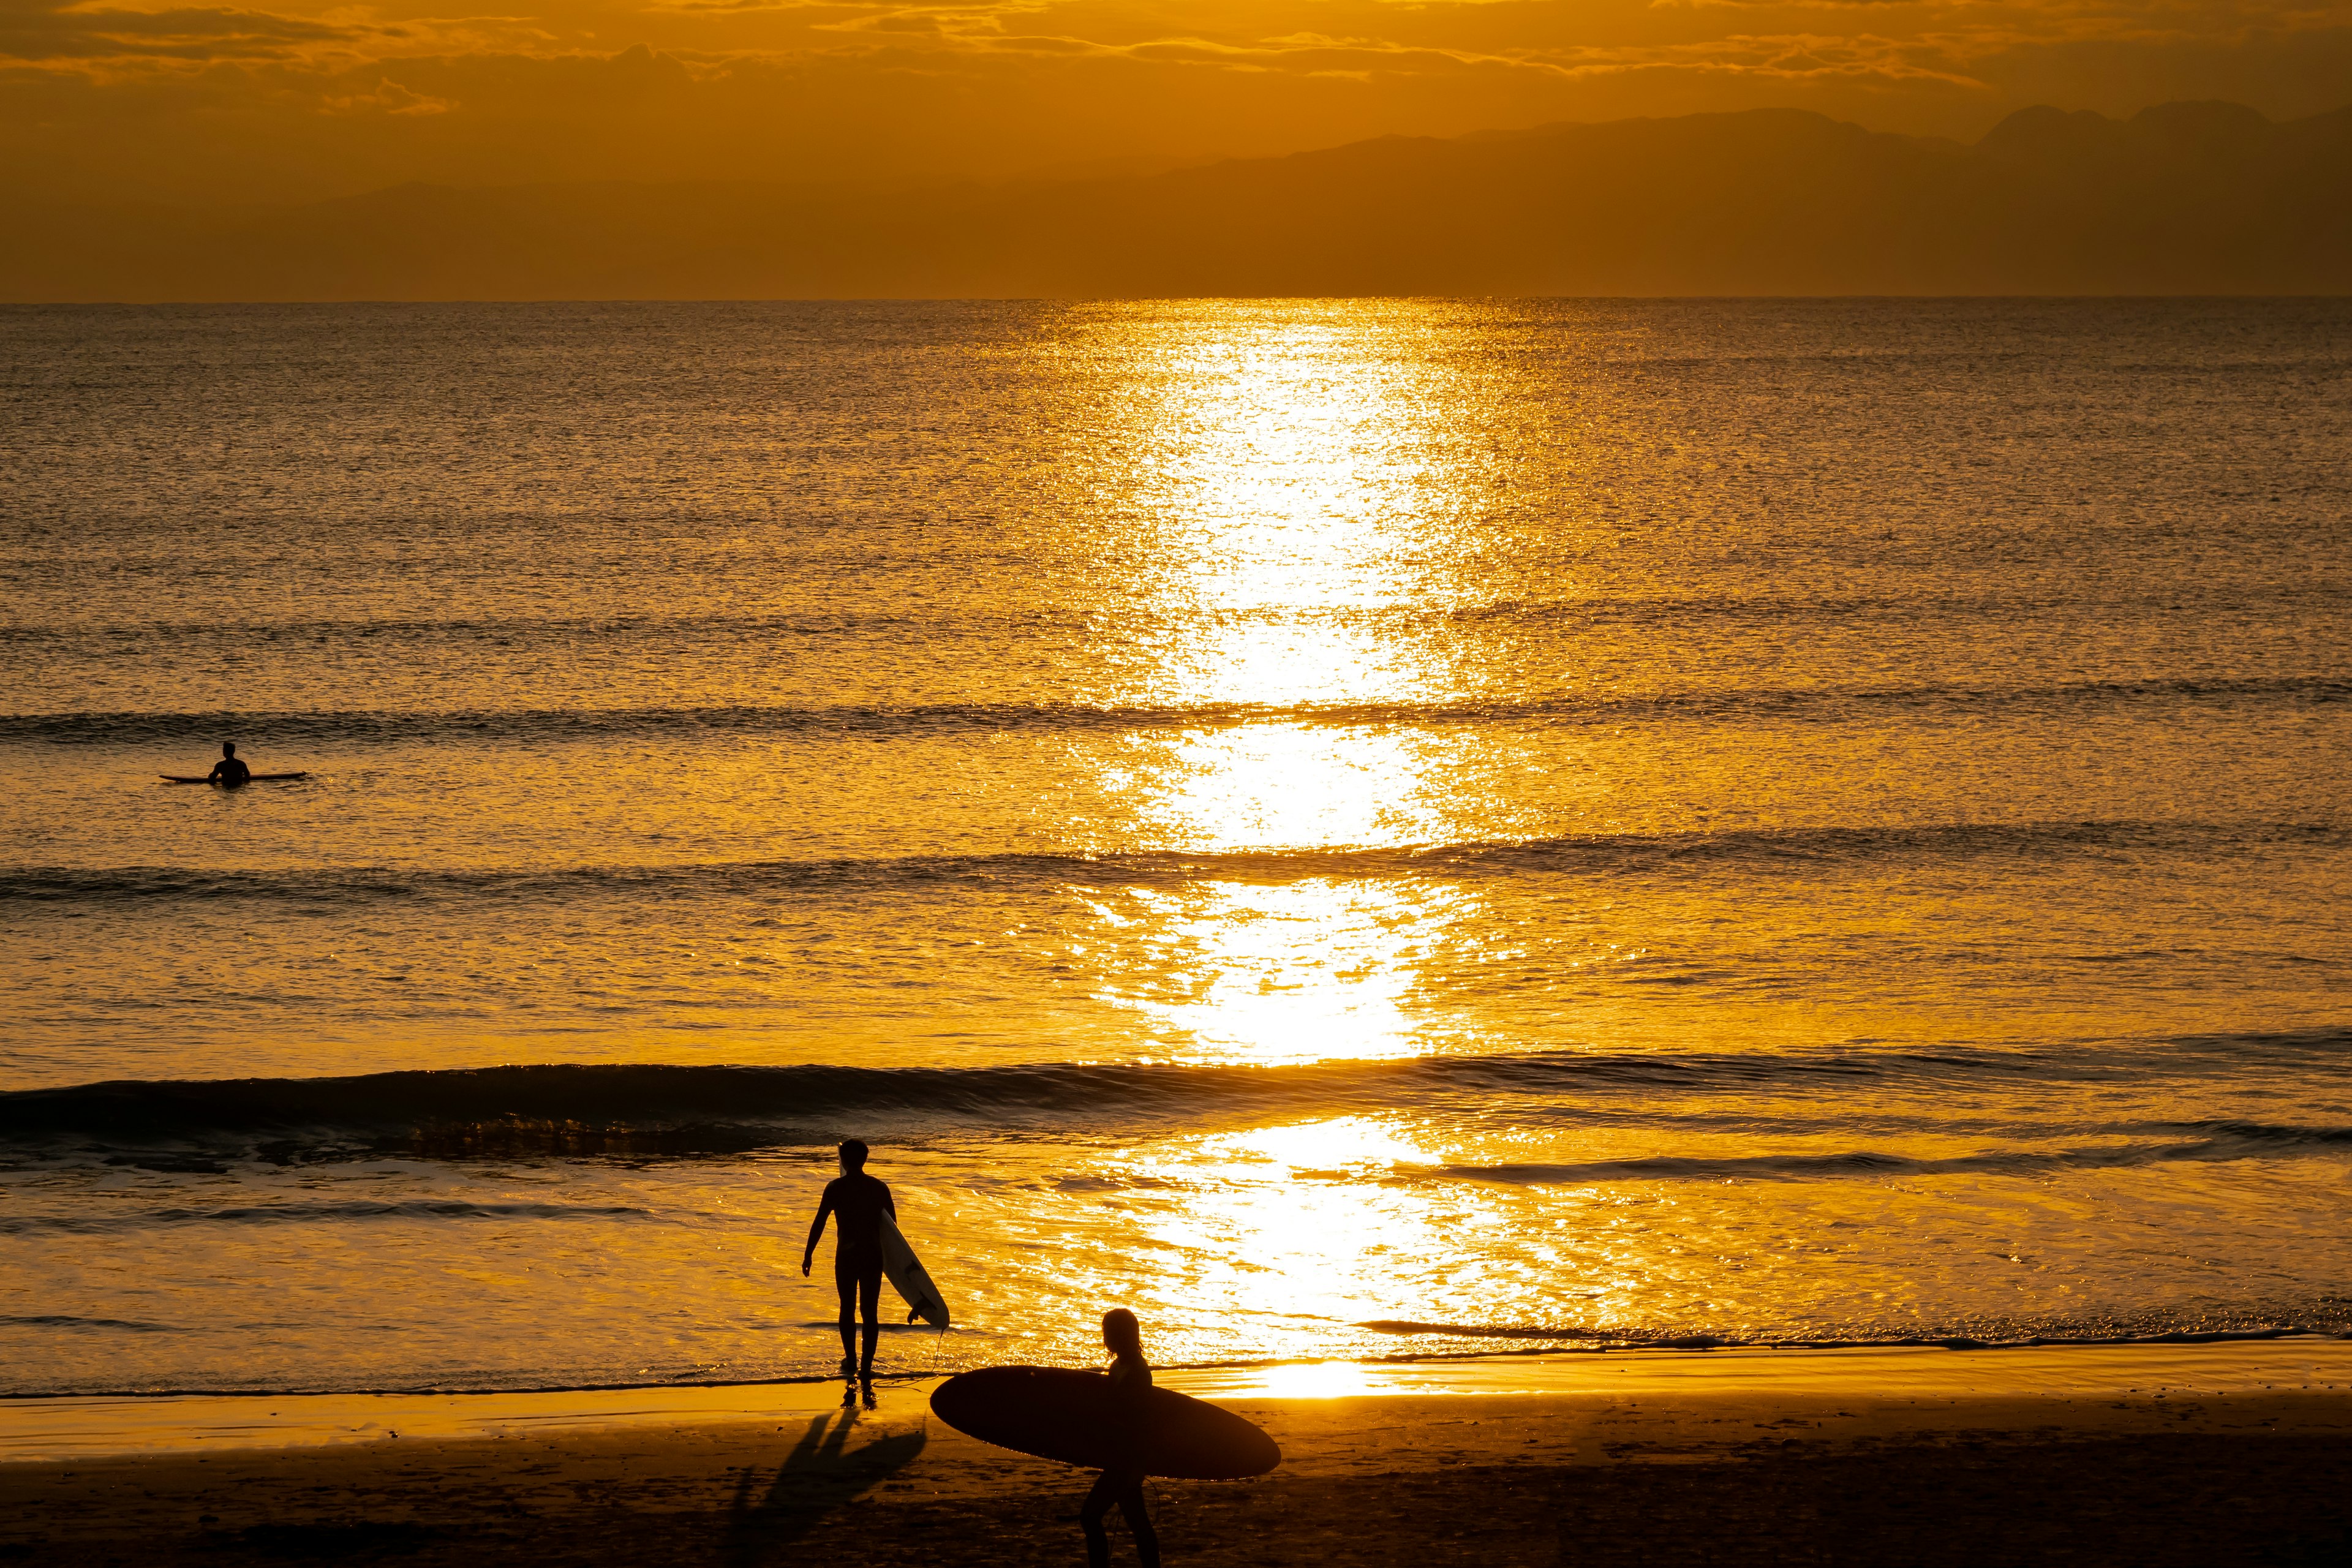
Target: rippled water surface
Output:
[(1352, 828)]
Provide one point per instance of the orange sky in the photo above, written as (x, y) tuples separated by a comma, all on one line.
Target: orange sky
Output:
[(303, 98)]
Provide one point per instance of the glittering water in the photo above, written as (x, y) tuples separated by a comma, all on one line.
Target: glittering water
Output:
[(1352, 828)]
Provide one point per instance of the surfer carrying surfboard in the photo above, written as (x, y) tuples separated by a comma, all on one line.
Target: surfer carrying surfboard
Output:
[(856, 1203), (1121, 1481)]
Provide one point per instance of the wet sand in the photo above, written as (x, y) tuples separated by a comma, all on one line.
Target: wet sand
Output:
[(2202, 1455)]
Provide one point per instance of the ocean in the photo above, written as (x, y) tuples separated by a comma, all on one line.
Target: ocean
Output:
[(1352, 828)]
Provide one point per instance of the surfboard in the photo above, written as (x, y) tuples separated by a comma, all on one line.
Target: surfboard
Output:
[(911, 1278), (250, 778), (1056, 1413)]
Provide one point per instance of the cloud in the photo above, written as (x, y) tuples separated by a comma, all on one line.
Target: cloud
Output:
[(49, 34), (388, 97), (109, 40), (314, 97)]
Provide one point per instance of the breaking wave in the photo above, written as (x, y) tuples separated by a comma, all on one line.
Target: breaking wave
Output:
[(640, 1108)]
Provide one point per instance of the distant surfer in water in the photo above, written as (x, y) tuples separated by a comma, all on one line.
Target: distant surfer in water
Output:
[(228, 770), (1121, 1482), (857, 1202)]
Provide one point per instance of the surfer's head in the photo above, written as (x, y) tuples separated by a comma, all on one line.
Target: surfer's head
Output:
[(853, 1154), (1121, 1332), (228, 748)]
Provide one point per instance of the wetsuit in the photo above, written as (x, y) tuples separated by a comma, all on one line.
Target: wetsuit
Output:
[(858, 1202), (1121, 1481), (230, 770)]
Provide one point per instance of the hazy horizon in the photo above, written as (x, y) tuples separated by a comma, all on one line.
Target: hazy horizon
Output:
[(2190, 198), (1138, 166)]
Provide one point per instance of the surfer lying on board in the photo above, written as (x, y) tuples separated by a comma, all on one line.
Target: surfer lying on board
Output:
[(228, 770), (1122, 1481), (856, 1203)]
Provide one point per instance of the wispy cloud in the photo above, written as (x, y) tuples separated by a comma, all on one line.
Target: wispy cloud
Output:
[(306, 94)]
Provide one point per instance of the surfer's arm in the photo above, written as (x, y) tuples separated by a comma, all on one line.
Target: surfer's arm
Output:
[(816, 1230)]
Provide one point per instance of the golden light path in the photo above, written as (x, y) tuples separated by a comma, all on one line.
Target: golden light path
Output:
[(1298, 972), (1290, 471), (1297, 485)]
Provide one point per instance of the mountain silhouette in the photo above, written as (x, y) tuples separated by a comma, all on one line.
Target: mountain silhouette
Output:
[(2183, 198)]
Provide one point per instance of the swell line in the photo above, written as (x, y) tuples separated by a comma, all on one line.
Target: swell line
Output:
[(915, 722), (2227, 1142), (937, 625), (1585, 853), (309, 1214)]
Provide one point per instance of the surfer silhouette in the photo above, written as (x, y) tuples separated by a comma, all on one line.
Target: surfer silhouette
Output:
[(1121, 1481), (855, 1201), (228, 770)]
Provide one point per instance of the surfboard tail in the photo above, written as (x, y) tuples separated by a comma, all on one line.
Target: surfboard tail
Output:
[(911, 1278)]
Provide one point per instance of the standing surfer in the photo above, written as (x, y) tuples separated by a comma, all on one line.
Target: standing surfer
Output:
[(1121, 1481), (858, 1202)]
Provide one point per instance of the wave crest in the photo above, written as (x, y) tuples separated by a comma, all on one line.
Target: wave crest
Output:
[(916, 721), (572, 1110)]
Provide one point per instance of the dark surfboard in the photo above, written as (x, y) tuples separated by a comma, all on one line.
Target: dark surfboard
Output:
[(250, 778), (1056, 1412)]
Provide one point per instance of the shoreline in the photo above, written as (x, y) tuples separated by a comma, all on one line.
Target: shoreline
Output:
[(1402, 1359), (47, 1429)]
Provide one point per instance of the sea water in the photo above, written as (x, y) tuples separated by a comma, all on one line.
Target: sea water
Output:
[(1350, 828)]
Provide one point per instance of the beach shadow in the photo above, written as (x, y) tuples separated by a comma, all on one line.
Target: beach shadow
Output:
[(328, 1542), (823, 1472)]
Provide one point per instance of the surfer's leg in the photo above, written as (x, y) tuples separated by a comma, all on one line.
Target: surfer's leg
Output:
[(845, 1282), (1105, 1491), (1138, 1521), (869, 1302)]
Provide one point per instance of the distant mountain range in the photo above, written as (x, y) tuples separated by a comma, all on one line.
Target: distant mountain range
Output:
[(2193, 198)]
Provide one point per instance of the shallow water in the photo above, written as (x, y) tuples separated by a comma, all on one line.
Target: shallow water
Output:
[(1352, 828)]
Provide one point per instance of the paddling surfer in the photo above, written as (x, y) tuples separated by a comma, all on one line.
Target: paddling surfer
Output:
[(856, 1203), (228, 770), (1121, 1482)]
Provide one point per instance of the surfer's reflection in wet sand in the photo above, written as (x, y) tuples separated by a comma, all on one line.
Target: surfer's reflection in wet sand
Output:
[(1122, 1481), (856, 1203)]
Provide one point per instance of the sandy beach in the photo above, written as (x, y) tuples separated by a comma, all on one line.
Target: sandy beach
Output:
[(2227, 1453)]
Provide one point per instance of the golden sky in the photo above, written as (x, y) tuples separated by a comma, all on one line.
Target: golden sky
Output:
[(296, 99)]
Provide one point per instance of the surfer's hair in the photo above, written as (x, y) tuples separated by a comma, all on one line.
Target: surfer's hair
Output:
[(1120, 1331), (853, 1154), (228, 748)]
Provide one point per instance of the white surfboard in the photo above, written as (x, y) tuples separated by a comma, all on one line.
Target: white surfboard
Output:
[(911, 1278)]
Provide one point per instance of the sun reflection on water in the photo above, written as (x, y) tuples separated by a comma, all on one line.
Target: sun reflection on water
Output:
[(1312, 1380), (1292, 474), (1273, 972), (1296, 501), (1287, 787), (1279, 1222), (1284, 477), (1282, 660)]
